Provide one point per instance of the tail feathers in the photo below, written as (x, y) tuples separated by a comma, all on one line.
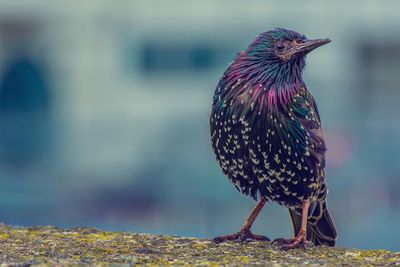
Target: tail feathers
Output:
[(320, 230)]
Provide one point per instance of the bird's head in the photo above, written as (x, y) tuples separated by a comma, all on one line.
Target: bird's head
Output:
[(282, 45), (277, 57)]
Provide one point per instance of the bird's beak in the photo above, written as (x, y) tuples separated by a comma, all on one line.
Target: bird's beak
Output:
[(310, 45), (306, 47)]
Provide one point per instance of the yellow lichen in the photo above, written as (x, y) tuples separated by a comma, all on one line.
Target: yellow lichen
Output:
[(4, 236), (87, 246)]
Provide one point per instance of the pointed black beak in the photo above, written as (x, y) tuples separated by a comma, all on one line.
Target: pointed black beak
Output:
[(308, 45), (304, 47)]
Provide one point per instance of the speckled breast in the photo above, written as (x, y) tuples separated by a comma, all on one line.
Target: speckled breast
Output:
[(261, 153)]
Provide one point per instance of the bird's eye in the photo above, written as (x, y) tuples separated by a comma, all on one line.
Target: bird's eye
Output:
[(280, 47)]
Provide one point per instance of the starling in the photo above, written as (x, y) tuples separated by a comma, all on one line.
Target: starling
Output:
[(267, 137)]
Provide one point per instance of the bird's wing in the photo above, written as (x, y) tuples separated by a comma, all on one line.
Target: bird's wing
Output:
[(298, 147), (305, 111)]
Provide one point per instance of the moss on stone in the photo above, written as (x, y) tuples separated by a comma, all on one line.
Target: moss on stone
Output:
[(81, 246)]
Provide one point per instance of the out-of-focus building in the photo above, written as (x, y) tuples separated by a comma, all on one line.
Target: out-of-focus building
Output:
[(104, 112)]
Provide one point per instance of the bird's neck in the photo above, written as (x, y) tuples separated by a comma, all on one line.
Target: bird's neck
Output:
[(276, 80)]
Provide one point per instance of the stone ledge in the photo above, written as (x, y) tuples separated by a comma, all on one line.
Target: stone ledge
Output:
[(82, 246)]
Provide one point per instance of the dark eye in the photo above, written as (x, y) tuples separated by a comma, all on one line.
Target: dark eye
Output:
[(280, 47)]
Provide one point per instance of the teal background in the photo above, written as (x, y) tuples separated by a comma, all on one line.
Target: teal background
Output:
[(104, 111)]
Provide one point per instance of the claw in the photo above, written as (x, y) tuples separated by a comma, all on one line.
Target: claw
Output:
[(299, 241), (242, 236)]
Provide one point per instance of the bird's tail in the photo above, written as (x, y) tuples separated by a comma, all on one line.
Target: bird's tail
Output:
[(320, 227)]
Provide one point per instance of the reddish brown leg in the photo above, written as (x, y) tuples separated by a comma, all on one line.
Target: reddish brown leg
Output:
[(245, 232), (301, 239)]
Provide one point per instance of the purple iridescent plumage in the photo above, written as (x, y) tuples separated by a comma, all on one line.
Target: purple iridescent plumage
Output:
[(258, 67), (265, 127)]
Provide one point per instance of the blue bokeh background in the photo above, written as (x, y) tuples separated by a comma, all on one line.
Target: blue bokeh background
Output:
[(104, 111)]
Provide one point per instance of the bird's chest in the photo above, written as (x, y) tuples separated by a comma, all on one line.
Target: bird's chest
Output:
[(255, 150)]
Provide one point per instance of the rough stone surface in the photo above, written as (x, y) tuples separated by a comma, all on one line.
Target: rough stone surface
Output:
[(82, 246)]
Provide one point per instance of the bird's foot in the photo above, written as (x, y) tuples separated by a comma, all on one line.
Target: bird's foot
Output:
[(242, 236), (299, 241)]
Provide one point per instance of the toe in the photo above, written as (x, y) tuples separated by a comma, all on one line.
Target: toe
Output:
[(281, 241), (260, 238), (296, 243), (217, 240), (241, 236), (220, 239)]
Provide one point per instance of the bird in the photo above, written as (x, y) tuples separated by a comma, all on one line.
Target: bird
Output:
[(267, 137)]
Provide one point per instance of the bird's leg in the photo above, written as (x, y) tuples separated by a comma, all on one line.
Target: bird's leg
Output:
[(301, 239), (245, 232)]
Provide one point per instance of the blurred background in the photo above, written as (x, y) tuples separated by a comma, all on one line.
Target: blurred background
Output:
[(104, 111)]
